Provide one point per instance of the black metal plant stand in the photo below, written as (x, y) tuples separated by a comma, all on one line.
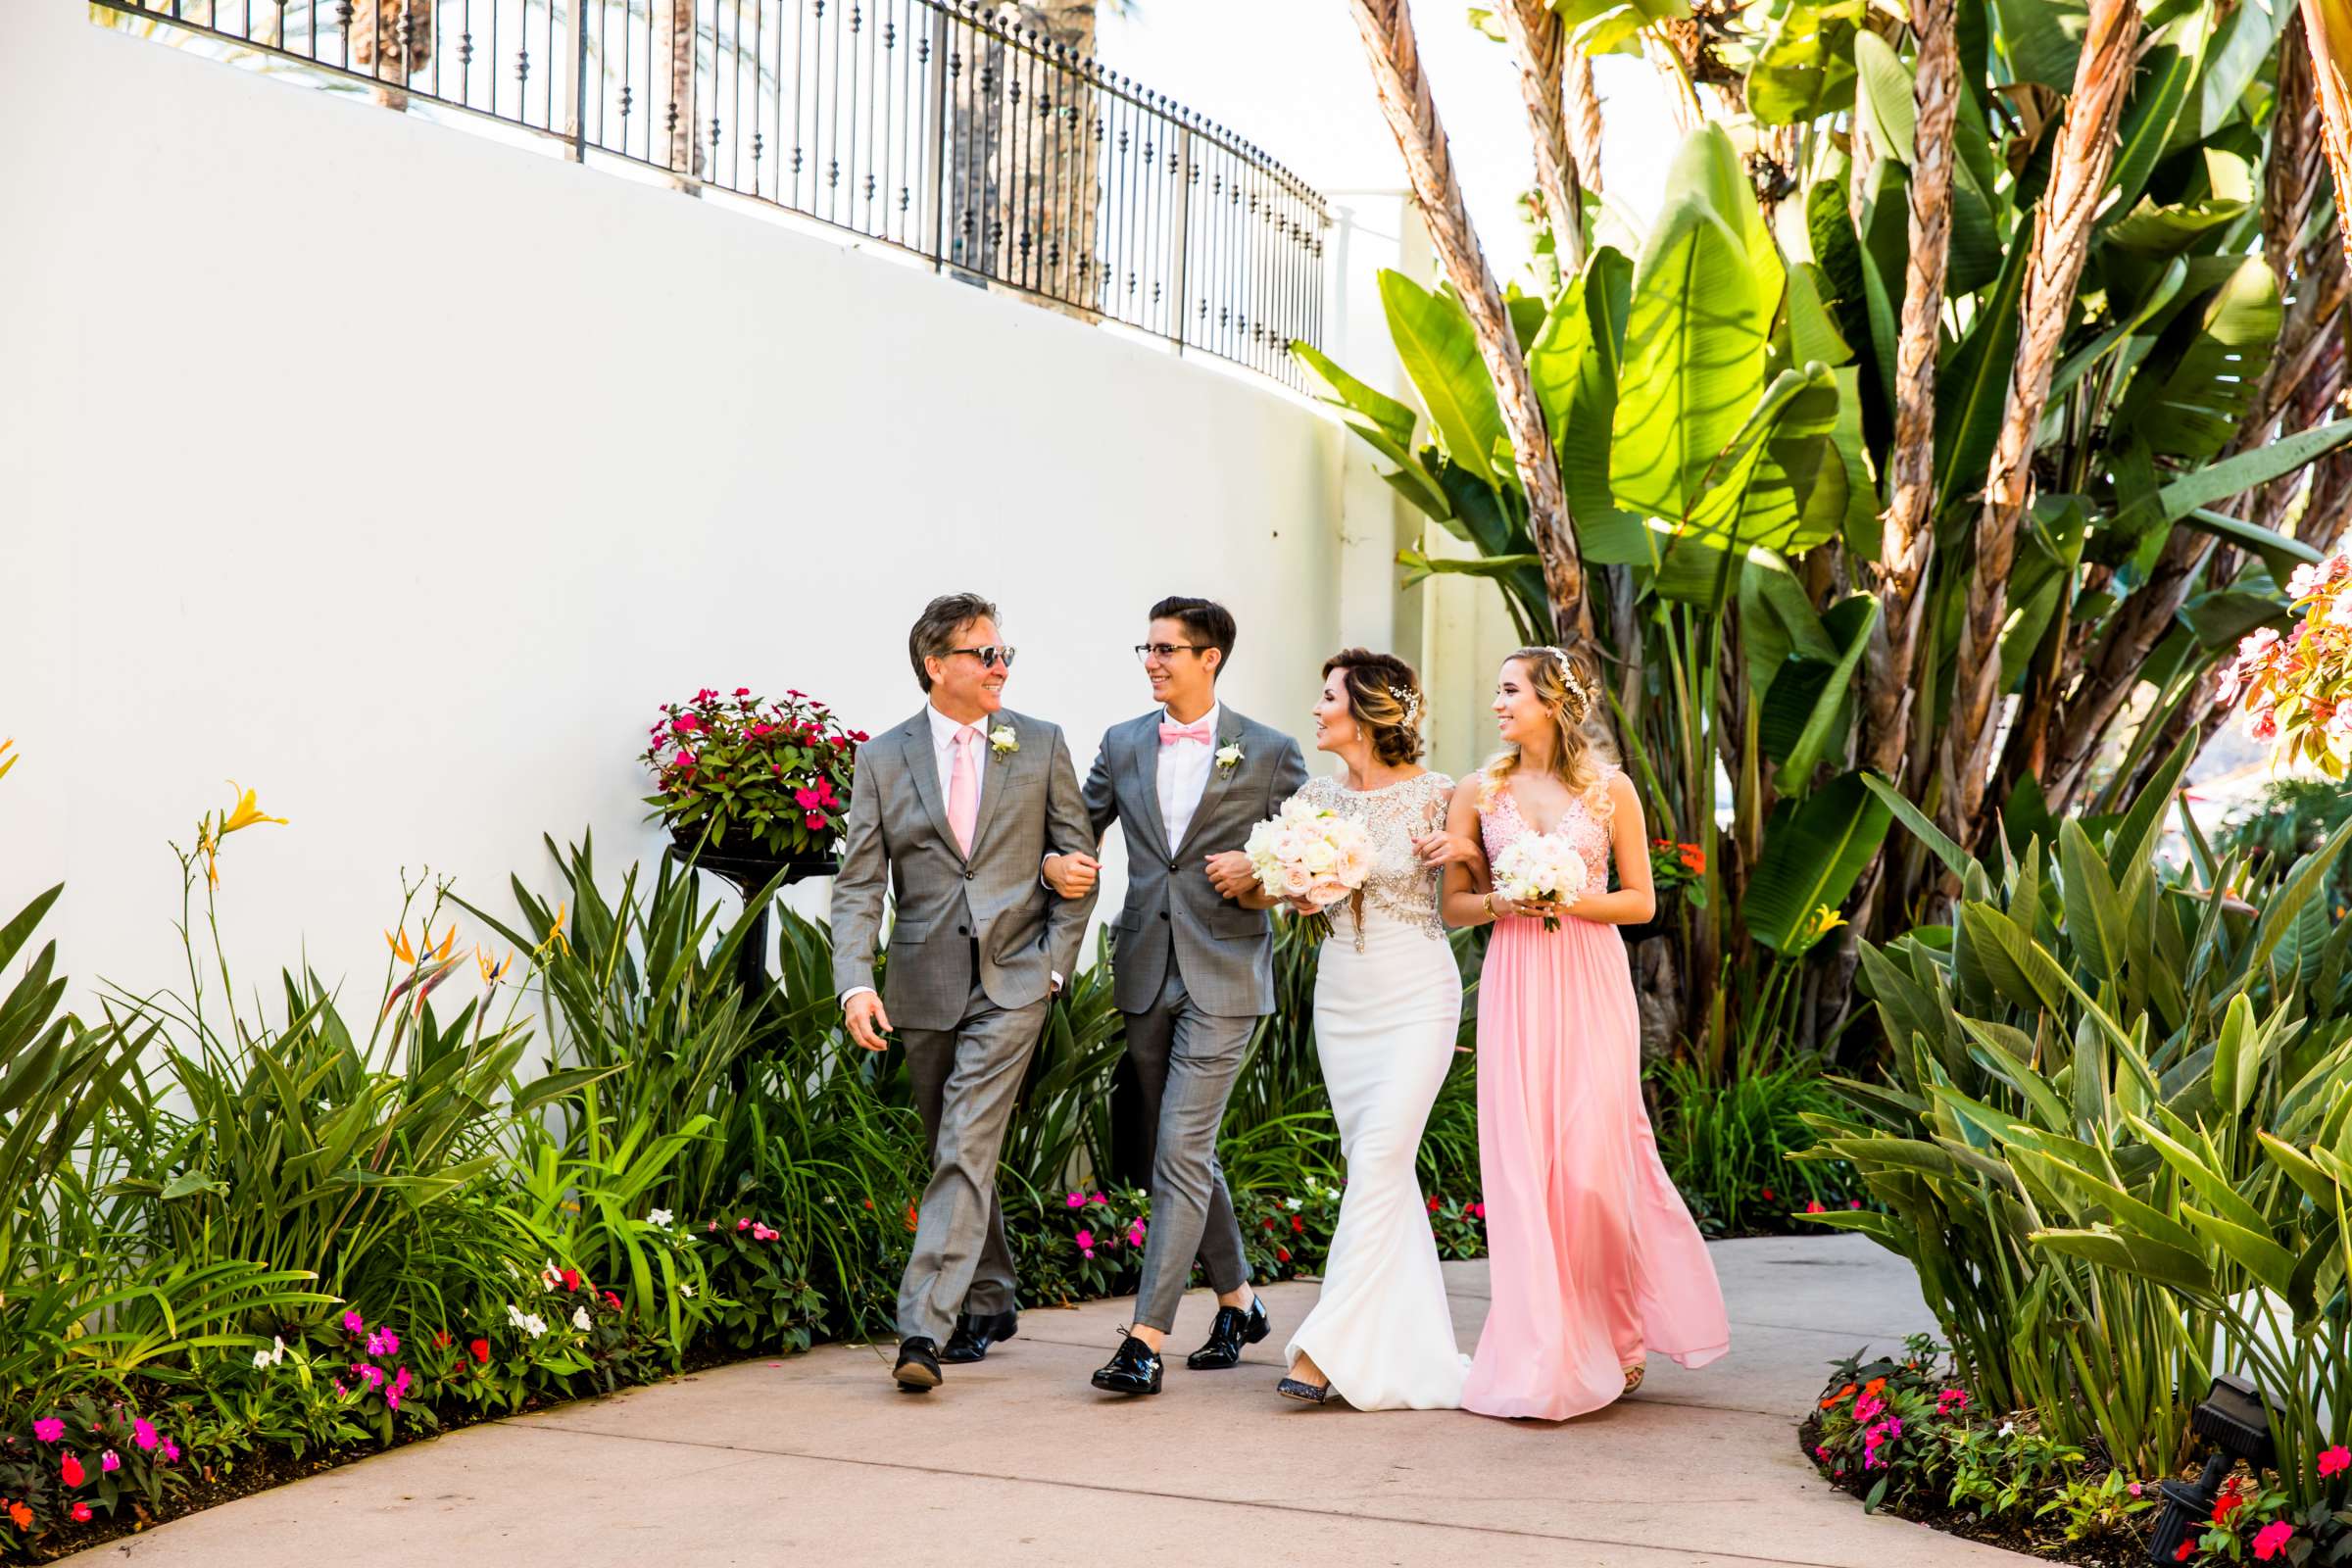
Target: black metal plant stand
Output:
[(749, 874)]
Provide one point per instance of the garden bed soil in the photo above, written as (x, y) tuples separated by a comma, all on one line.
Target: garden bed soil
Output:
[(2032, 1537)]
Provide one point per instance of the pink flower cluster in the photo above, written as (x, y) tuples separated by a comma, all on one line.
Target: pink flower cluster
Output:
[(757, 1230), (2297, 689), (1874, 1435), (378, 1343), (1951, 1399)]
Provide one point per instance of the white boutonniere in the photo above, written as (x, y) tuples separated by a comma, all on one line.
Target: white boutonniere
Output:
[(1229, 757), (1003, 741)]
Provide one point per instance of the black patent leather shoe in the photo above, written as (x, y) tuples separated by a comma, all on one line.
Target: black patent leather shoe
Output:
[(1133, 1368), (917, 1371), (975, 1332), (1233, 1329)]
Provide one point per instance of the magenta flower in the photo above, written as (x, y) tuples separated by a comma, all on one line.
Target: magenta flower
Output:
[(1077, 1200), (142, 1433), (171, 1451), (2335, 1460), (2270, 1538), (354, 1323), (743, 1224), (1085, 1242), (1135, 1234), (1099, 1198), (1089, 1251), (109, 1462), (49, 1429)]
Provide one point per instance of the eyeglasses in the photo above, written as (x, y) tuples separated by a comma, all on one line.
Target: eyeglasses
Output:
[(988, 653), (1163, 651)]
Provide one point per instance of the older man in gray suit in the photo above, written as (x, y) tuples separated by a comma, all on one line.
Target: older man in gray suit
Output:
[(1195, 960), (954, 810)]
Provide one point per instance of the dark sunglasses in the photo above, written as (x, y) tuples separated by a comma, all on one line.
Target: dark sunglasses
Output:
[(989, 654)]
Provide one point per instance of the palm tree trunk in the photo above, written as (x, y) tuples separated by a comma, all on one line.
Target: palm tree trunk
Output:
[(1909, 522), (2062, 223), (1394, 54), (2328, 31), (1584, 119), (1539, 47), (2298, 388)]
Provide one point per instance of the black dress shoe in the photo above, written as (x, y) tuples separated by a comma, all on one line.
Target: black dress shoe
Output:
[(1133, 1368), (917, 1371), (975, 1332), (1233, 1329)]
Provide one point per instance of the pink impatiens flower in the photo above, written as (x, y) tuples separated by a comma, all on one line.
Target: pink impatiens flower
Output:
[(109, 1462), (1077, 1200), (49, 1429), (1086, 1243), (171, 1451), (2334, 1461), (143, 1434), (354, 1323), (2270, 1538), (1951, 1399)]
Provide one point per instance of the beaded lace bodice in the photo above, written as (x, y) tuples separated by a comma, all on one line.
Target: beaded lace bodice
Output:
[(1392, 816), (1584, 824)]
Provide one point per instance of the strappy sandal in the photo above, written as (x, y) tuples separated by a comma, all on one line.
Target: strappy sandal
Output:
[(1634, 1375)]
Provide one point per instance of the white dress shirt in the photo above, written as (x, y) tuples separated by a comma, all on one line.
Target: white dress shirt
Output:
[(1183, 774)]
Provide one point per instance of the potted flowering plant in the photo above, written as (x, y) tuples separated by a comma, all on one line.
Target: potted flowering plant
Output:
[(751, 779), (1676, 871)]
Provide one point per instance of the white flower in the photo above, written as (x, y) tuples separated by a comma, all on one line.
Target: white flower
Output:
[(533, 1324), (511, 1271), (549, 1278), (1229, 757), (659, 1216), (1292, 1202), (579, 1319), (261, 1359), (1003, 741), (686, 1289)]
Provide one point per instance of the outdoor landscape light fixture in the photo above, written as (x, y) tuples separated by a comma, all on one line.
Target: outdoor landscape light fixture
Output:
[(2236, 1421)]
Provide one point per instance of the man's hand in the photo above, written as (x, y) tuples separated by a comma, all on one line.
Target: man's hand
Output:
[(1231, 874), (866, 1021), (1072, 875)]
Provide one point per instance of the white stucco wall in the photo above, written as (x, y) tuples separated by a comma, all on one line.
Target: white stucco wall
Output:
[(399, 473)]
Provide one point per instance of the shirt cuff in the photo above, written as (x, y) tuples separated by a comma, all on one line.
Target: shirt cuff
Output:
[(1058, 981), (853, 990)]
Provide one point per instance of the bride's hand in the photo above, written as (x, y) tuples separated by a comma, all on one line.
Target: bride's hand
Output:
[(1303, 906), (1444, 849)]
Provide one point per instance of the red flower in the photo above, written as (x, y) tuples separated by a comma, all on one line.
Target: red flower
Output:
[(705, 695), (1768, 1195), (571, 1279), (685, 725), (805, 799), (1813, 1205), (2187, 1549), (1267, 1222), (481, 1352), (743, 691), (20, 1515), (80, 1514), (1433, 1206), (440, 1339), (815, 819), (1298, 1226), (70, 1471), (1282, 1254), (612, 1300), (2228, 1504)]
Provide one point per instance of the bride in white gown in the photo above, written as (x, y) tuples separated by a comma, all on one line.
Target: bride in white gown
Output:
[(1388, 1007)]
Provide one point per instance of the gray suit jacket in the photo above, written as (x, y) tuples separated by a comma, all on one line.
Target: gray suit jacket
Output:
[(896, 837), (1224, 952)]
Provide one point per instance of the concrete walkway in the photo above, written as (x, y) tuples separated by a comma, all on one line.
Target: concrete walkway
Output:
[(816, 1460)]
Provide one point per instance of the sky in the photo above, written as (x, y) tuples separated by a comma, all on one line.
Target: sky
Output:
[(1291, 76)]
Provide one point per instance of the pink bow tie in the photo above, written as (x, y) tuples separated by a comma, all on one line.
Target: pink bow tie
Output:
[(1170, 734)]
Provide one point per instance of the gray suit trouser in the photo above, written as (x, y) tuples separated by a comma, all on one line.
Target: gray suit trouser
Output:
[(965, 1082), (1186, 1060)]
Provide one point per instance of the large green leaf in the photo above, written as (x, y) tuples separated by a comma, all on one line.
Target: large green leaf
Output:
[(1394, 419), (1956, 860), (2241, 46), (1814, 852), (2234, 475), (1574, 363), (1820, 735), (2280, 553), (2130, 1254), (1439, 349), (1804, 70), (2169, 63), (1973, 383), (2194, 387), (2042, 38), (1704, 295)]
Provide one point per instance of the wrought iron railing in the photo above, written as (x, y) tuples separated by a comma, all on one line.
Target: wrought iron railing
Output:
[(944, 127)]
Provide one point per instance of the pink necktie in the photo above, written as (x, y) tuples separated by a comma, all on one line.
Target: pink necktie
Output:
[(1170, 734), (963, 791)]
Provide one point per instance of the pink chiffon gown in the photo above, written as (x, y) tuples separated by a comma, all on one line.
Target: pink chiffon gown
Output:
[(1594, 1260)]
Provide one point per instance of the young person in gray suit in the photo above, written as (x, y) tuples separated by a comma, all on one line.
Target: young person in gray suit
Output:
[(1193, 961), (952, 812)]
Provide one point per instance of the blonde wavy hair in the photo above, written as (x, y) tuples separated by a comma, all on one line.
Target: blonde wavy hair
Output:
[(1568, 694)]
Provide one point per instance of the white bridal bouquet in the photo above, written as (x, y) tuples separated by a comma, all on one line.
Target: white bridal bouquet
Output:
[(1311, 853), (1541, 867)]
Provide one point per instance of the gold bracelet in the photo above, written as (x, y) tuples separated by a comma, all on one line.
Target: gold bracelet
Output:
[(1489, 900)]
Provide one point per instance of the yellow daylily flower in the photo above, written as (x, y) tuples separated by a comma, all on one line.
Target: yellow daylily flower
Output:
[(1824, 921), (245, 813)]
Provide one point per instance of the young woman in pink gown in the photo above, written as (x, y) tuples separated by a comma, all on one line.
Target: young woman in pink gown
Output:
[(1594, 1260)]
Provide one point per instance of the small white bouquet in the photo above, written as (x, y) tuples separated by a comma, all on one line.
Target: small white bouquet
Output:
[(1309, 852), (1541, 867)]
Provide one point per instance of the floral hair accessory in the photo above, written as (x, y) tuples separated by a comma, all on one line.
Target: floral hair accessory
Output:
[(1411, 701), (1575, 687)]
